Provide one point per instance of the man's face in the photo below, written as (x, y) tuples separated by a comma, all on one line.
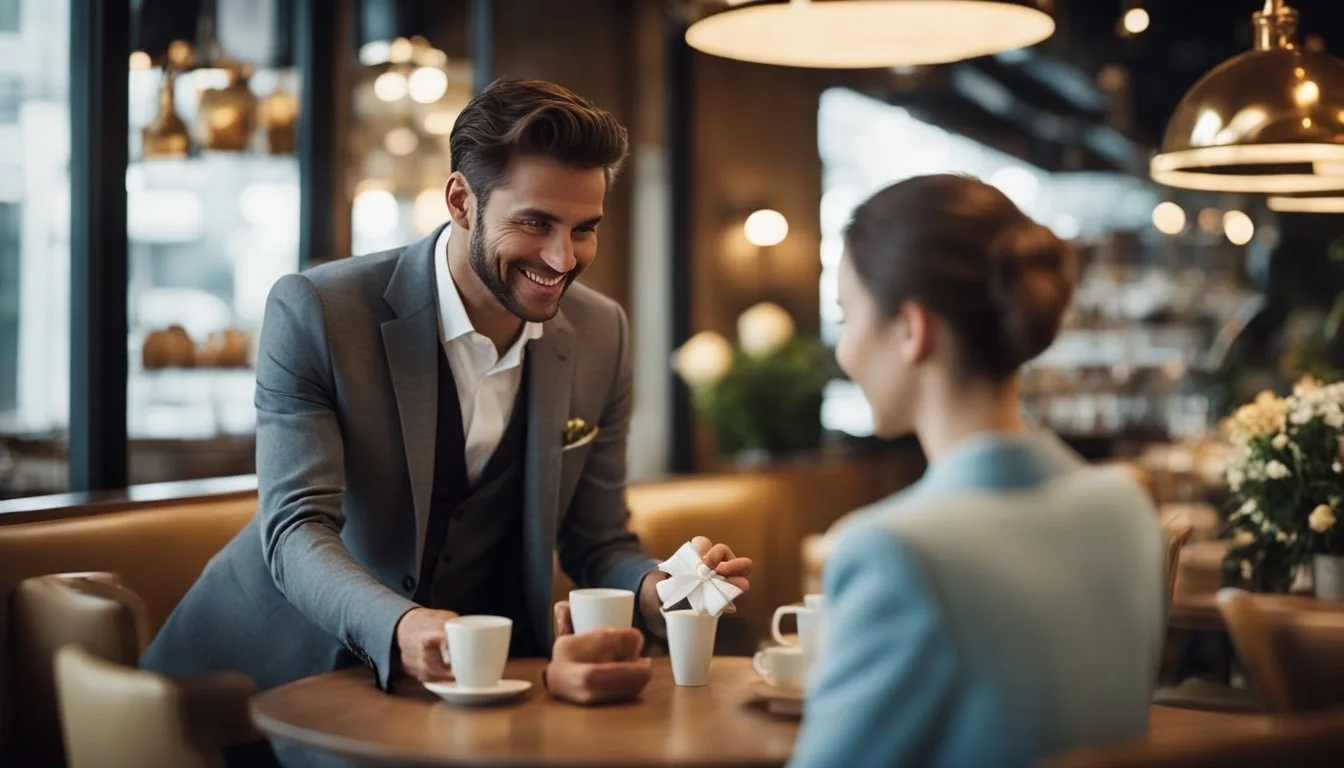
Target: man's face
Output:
[(537, 233)]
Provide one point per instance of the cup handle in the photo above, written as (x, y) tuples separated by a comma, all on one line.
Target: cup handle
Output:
[(780, 613), (443, 652), (758, 664)]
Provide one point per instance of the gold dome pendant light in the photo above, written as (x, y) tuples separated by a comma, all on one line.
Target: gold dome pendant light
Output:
[(863, 34), (1325, 203), (1268, 120)]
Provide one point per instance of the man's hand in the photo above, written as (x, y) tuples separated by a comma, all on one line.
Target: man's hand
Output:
[(596, 667), (736, 570), (420, 639)]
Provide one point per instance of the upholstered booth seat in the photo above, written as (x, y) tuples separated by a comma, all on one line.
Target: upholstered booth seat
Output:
[(157, 549)]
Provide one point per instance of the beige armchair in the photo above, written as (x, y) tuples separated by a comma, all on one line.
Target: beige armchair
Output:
[(47, 612), (118, 717)]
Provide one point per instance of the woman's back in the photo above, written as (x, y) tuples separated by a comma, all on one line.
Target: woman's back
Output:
[(1007, 606)]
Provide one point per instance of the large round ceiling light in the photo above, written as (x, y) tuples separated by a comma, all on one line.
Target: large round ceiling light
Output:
[(863, 34)]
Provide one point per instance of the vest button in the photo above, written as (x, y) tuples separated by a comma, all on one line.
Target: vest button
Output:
[(459, 513), (408, 584)]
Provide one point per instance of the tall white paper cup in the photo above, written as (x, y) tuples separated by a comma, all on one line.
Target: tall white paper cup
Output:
[(690, 640), (811, 635)]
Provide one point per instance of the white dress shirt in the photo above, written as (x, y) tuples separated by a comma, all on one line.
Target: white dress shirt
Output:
[(487, 383)]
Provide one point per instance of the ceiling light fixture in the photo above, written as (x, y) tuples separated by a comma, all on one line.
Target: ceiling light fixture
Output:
[(1260, 120), (1135, 21), (863, 34), (1306, 204)]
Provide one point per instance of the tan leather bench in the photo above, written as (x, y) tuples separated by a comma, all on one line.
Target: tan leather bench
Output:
[(158, 549), (155, 551)]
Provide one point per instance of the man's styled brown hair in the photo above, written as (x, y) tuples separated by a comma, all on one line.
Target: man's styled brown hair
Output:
[(532, 117)]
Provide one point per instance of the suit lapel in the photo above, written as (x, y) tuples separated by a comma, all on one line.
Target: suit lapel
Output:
[(551, 359), (411, 342)]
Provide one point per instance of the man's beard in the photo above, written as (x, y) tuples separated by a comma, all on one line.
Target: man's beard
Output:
[(486, 266)]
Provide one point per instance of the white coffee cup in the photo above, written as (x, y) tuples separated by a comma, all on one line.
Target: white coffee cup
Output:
[(590, 609), (810, 603), (477, 647), (690, 642), (781, 666)]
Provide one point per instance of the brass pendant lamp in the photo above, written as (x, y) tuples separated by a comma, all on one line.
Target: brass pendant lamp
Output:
[(1306, 203), (1269, 120), (862, 34)]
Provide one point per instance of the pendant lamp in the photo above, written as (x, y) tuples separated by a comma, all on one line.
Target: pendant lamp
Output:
[(1306, 203), (862, 34), (1267, 120)]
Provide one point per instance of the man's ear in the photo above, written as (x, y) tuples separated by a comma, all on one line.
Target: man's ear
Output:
[(461, 201)]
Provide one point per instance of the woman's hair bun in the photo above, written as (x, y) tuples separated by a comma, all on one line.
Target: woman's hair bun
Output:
[(1030, 279)]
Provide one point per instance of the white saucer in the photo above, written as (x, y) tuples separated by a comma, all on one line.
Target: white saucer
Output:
[(453, 693)]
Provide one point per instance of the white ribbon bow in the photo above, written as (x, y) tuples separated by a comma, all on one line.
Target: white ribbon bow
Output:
[(692, 580)]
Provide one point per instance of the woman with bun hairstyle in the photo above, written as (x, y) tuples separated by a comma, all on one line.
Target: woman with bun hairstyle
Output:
[(1010, 603)]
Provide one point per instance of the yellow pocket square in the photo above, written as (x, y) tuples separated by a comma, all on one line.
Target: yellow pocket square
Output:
[(578, 432)]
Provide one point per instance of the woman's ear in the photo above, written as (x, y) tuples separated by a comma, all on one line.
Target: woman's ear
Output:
[(914, 332), (461, 202)]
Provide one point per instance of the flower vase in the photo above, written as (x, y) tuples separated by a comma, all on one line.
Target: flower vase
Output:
[(1329, 576)]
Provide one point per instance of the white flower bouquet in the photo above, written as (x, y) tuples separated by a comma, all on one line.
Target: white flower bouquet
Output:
[(1287, 484), (762, 394)]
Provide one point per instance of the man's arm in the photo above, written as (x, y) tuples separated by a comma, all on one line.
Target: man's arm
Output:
[(596, 546), (301, 478)]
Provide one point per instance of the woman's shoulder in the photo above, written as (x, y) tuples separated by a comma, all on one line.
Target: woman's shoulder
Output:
[(1105, 496)]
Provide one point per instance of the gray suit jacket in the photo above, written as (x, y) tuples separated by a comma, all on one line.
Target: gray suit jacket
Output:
[(347, 398)]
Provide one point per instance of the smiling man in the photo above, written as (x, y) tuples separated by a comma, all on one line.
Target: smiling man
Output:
[(414, 454)]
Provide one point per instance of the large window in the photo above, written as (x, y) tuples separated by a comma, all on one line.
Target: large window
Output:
[(9, 16), (34, 244), (1145, 306), (216, 211)]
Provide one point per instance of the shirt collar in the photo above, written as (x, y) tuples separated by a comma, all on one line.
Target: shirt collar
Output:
[(999, 462), (454, 323)]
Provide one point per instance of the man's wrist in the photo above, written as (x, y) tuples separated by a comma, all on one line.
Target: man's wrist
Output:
[(650, 605)]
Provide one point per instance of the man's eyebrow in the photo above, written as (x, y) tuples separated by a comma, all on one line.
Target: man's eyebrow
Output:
[(547, 216), (535, 213)]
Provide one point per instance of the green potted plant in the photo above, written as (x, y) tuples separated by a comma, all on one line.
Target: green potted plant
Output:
[(1287, 484), (761, 397)]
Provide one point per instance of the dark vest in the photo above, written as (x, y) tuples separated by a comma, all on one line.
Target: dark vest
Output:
[(473, 560)]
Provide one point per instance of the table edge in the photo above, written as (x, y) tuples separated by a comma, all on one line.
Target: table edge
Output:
[(378, 754)]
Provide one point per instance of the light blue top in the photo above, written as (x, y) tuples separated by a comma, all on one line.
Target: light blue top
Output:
[(1007, 606)]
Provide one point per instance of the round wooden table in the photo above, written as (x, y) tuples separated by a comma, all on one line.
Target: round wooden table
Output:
[(345, 714)]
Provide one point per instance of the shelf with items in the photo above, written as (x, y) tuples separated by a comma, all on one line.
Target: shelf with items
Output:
[(174, 348), (179, 389), (1140, 350), (189, 96)]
